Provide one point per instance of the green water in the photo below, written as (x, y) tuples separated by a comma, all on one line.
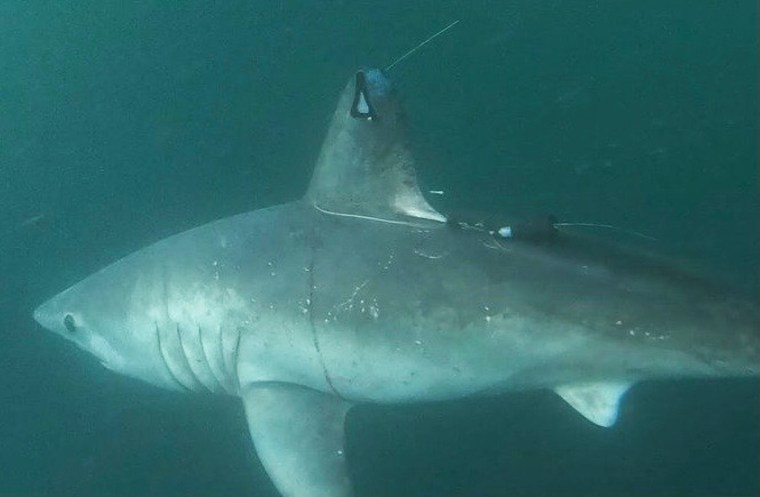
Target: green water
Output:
[(122, 123)]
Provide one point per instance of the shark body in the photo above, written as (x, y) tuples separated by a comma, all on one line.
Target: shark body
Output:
[(361, 292)]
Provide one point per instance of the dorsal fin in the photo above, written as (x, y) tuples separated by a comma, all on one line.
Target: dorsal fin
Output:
[(365, 168)]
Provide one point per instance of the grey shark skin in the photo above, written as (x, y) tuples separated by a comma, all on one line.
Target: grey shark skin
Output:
[(360, 292)]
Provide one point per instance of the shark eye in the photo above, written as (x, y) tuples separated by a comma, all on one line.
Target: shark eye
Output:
[(69, 323)]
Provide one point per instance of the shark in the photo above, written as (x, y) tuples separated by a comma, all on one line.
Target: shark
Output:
[(362, 292)]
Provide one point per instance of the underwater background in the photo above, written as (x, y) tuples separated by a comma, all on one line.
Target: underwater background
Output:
[(124, 122)]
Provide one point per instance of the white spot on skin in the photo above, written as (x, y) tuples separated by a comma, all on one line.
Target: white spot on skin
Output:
[(304, 306), (387, 263), (200, 305), (374, 309)]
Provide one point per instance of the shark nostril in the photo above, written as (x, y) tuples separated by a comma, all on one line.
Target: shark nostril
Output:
[(69, 323)]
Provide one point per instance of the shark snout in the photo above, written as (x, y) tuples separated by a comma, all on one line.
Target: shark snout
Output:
[(54, 314), (46, 316)]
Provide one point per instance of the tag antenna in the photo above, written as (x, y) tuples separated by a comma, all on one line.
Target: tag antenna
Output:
[(428, 40), (610, 227)]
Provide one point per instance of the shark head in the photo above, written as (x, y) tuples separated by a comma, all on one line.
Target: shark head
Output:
[(77, 314), (98, 315)]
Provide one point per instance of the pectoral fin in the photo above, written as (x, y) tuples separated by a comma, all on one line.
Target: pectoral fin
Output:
[(597, 402), (298, 434)]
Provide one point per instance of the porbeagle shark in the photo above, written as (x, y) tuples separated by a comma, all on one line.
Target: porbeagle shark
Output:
[(361, 292)]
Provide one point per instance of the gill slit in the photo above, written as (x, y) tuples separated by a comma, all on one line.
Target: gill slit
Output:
[(187, 361), (314, 337), (230, 363), (166, 362), (208, 363), (237, 352), (225, 362)]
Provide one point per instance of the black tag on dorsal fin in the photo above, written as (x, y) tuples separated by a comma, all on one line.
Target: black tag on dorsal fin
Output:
[(362, 107)]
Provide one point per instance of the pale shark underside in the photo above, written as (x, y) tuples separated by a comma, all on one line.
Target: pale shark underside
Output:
[(362, 292)]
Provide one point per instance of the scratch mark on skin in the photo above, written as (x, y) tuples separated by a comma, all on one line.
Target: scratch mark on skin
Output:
[(496, 245), (349, 302), (427, 255)]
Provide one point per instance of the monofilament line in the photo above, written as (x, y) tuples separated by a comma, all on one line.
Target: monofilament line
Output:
[(431, 38)]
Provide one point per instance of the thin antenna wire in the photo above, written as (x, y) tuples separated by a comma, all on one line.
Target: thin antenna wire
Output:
[(608, 226), (431, 38)]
